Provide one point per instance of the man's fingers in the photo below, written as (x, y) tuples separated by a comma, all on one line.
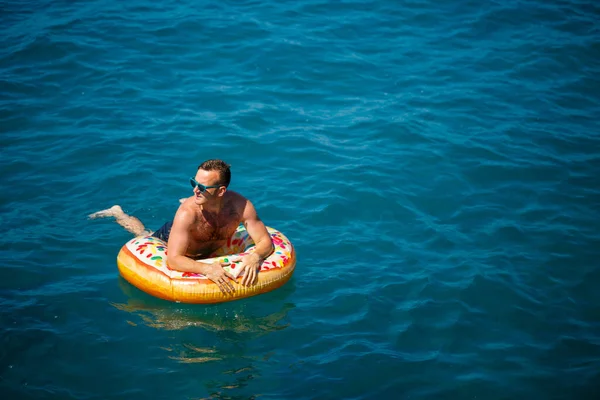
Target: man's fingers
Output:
[(225, 282), (222, 288), (224, 285), (249, 277), (230, 276)]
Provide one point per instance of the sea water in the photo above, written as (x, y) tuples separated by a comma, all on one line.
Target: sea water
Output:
[(436, 165)]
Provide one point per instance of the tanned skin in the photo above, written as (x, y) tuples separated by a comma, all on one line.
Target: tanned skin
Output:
[(203, 223)]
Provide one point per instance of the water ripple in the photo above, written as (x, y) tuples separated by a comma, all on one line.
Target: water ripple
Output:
[(435, 165)]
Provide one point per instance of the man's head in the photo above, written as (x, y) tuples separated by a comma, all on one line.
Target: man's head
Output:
[(221, 167), (211, 181)]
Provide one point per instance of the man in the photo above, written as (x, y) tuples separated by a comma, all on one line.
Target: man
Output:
[(203, 223)]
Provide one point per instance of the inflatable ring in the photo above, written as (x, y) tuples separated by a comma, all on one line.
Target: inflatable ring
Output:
[(143, 262)]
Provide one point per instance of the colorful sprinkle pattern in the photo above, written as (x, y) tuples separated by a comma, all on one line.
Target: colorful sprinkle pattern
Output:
[(153, 252)]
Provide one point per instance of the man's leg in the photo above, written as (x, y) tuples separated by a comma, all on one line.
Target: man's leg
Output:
[(132, 224)]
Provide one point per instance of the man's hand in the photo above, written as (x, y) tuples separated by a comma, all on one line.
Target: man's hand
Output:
[(218, 275), (250, 265)]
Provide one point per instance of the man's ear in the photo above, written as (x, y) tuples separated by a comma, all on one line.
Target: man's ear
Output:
[(222, 190)]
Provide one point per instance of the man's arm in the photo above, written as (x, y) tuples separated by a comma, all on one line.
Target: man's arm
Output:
[(264, 245), (179, 240), (257, 231)]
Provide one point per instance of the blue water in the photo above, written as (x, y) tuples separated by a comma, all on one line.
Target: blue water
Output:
[(436, 165)]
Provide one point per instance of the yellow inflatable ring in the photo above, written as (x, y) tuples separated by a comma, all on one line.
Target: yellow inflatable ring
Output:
[(143, 262)]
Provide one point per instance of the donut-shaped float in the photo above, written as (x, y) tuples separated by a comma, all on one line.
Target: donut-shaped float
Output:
[(143, 262)]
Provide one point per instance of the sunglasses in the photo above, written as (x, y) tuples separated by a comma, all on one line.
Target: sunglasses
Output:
[(200, 186)]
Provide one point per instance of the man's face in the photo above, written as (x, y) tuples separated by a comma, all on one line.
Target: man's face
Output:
[(207, 178)]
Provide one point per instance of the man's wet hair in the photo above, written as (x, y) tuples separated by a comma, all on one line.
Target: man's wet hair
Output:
[(218, 165)]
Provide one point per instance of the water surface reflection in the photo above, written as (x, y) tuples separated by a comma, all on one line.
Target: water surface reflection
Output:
[(226, 345)]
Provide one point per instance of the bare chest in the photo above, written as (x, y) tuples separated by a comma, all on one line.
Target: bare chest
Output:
[(212, 231), (207, 230)]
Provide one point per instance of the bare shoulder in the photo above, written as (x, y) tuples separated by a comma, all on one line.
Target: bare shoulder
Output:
[(245, 208), (186, 211), (236, 200), (187, 203)]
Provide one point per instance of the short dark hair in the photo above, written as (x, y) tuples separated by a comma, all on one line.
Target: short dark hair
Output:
[(218, 165)]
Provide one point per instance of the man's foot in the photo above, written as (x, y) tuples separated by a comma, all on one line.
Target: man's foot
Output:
[(114, 211), (132, 224)]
